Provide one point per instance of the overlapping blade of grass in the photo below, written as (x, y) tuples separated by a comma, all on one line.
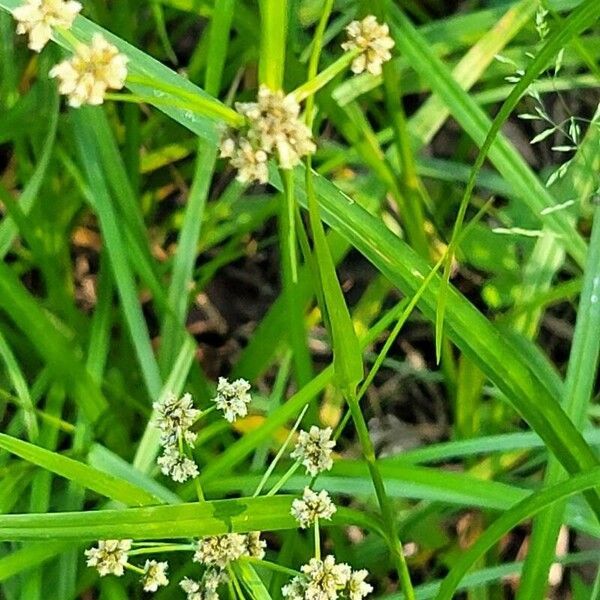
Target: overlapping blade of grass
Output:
[(175, 521), (495, 355), (477, 124), (89, 157), (51, 344), (30, 556), (86, 476), (510, 519), (581, 376)]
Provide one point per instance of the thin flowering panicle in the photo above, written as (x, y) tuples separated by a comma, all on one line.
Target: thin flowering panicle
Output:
[(313, 506), (91, 72), (155, 575), (176, 465), (233, 398), (174, 418), (374, 42), (313, 449), (39, 18), (109, 557), (273, 129)]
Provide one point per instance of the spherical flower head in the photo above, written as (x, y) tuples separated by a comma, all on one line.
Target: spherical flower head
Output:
[(174, 418), (373, 41), (295, 589), (233, 398), (313, 506), (357, 588), (313, 449), (220, 550), (250, 162), (275, 127), (38, 18), (155, 575), (325, 578), (109, 557), (91, 72), (255, 547), (201, 590), (177, 466)]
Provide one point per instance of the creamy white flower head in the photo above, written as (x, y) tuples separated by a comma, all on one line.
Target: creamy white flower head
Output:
[(373, 40), (220, 550), (109, 557), (325, 577), (255, 547), (90, 72), (357, 587), (295, 589), (38, 18), (155, 575), (177, 466), (313, 506), (199, 590), (250, 162), (276, 127), (233, 398), (174, 418), (313, 449)]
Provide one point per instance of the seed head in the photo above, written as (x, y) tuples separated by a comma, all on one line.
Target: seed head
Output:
[(94, 69), (325, 577), (206, 589), (38, 18), (155, 575), (177, 466), (220, 550), (313, 506), (374, 42), (109, 557), (255, 547), (313, 449), (174, 418), (250, 162), (233, 398)]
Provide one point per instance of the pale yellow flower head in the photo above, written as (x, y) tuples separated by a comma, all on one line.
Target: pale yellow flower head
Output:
[(91, 72), (373, 40), (38, 18)]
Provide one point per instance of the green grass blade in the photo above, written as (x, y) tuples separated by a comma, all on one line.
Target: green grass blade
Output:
[(273, 34), (525, 509), (84, 475)]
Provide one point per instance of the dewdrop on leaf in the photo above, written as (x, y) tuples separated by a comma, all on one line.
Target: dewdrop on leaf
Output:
[(38, 18), (373, 41), (91, 72)]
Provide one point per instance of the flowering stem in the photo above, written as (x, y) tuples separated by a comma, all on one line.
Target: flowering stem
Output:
[(153, 548), (387, 510), (284, 479), (313, 85), (270, 565), (134, 568), (317, 540), (279, 454), (236, 584)]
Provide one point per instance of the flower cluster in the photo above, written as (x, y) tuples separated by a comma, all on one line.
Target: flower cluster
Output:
[(155, 575), (38, 18), (109, 557), (233, 398), (373, 41), (313, 450), (313, 506), (206, 588), (91, 72), (174, 419), (220, 550), (273, 128), (326, 580)]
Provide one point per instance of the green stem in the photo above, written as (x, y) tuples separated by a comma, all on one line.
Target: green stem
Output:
[(317, 540), (385, 505), (284, 479)]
